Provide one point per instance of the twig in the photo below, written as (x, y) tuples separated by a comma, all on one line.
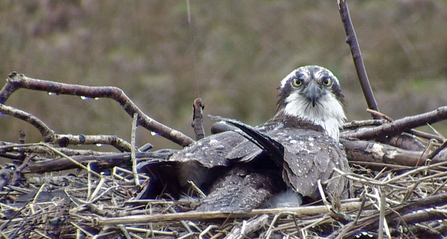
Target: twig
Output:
[(197, 119), (309, 210), (132, 153), (82, 229), (271, 226), (71, 159), (101, 162), (379, 115), (196, 189), (17, 81), (183, 222), (438, 150), (97, 189), (207, 230), (351, 224), (405, 208), (351, 39), (381, 201), (250, 226), (124, 231)]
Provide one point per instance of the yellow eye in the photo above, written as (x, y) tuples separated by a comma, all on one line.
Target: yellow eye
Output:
[(327, 81), (297, 82)]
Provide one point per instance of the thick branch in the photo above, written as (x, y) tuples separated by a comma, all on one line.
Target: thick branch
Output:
[(351, 39), (398, 126), (370, 151), (17, 81)]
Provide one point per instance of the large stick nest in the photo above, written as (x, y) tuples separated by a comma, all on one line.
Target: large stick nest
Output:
[(399, 184)]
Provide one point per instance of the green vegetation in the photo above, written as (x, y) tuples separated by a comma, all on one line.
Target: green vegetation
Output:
[(232, 54)]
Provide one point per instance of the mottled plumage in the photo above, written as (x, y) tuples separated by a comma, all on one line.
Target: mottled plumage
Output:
[(244, 168)]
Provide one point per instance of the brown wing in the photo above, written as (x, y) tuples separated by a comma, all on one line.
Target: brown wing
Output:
[(195, 161), (310, 156)]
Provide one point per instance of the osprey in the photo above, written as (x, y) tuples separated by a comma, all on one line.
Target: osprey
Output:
[(275, 164)]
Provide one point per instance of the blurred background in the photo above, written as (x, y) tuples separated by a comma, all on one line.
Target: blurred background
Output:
[(232, 54)]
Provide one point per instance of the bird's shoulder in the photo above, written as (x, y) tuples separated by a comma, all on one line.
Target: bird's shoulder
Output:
[(210, 151), (284, 129)]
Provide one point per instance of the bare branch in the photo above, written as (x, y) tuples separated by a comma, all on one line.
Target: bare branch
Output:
[(100, 161), (351, 39), (398, 126), (44, 130), (64, 140), (370, 151), (197, 118), (17, 81)]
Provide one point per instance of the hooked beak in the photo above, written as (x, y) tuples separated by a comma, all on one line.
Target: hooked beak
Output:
[(313, 92)]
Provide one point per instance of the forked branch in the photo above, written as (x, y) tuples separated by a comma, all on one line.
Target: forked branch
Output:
[(398, 126), (18, 81)]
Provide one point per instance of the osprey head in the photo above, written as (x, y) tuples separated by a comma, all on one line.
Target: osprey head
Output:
[(313, 93)]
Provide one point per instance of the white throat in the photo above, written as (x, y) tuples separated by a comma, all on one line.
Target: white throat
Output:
[(328, 112)]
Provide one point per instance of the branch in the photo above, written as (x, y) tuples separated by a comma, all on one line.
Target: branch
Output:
[(101, 162), (17, 81), (247, 227), (351, 39), (194, 216), (63, 140), (197, 118), (44, 130), (398, 126), (369, 151)]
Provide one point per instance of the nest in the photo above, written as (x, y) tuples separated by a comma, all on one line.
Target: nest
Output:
[(392, 200)]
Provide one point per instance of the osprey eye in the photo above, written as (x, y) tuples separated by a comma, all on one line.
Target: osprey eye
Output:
[(327, 81), (297, 82)]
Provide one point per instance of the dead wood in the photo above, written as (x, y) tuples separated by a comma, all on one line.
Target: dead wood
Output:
[(356, 53), (372, 151), (63, 140), (247, 227), (399, 126), (197, 118), (100, 162), (17, 81)]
